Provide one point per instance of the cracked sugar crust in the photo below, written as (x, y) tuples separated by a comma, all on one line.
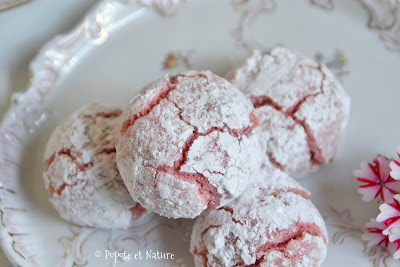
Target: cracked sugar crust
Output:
[(81, 173), (273, 223), (291, 137), (188, 143), (312, 106)]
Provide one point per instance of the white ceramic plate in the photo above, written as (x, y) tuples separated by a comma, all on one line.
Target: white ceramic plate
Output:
[(5, 4), (122, 45)]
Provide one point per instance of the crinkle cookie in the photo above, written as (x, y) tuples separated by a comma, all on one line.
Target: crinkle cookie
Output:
[(301, 108), (81, 172), (273, 223), (188, 142)]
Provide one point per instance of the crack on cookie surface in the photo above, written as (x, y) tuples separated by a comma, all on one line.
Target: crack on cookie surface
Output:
[(105, 115), (315, 151), (108, 151), (281, 246), (61, 188), (74, 157), (273, 161), (208, 192), (263, 100), (162, 94), (293, 190), (79, 168), (204, 252), (271, 235), (230, 210)]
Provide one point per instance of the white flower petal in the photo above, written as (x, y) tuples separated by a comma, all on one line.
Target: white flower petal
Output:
[(387, 212), (387, 195), (395, 167), (369, 193), (384, 168), (365, 172)]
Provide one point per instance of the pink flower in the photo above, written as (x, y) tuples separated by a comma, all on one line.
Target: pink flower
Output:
[(375, 237), (394, 237), (390, 216), (395, 166), (378, 180), (390, 212)]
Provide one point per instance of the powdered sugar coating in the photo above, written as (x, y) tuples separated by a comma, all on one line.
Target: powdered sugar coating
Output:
[(271, 224), (81, 173), (312, 107), (282, 134), (188, 143)]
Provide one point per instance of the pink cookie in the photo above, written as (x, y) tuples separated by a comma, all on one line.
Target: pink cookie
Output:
[(271, 224), (188, 143), (301, 107), (81, 172)]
